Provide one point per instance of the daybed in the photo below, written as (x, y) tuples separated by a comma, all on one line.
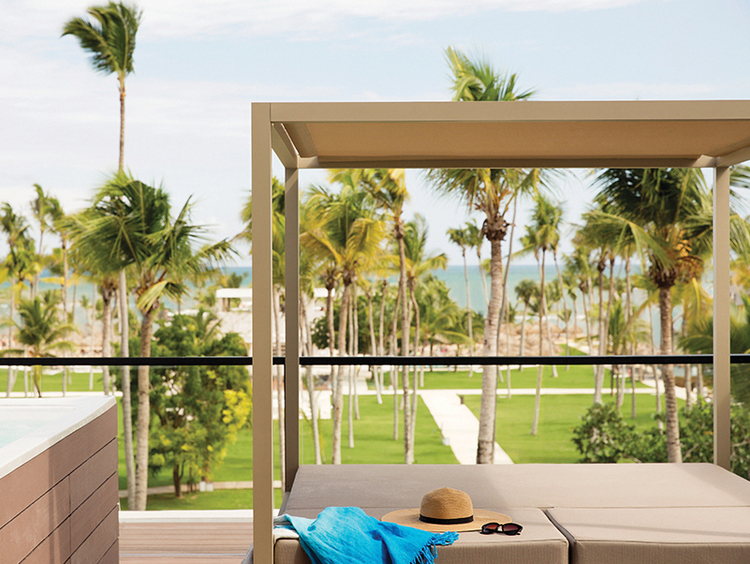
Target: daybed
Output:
[(583, 514)]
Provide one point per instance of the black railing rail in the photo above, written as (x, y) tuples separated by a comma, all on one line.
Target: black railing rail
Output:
[(372, 360)]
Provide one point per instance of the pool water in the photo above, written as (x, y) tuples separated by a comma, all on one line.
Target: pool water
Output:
[(17, 421)]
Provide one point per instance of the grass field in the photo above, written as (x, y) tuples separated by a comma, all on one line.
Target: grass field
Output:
[(52, 381), (576, 377), (558, 415), (373, 444)]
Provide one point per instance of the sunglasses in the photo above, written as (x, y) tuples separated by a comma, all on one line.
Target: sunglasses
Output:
[(506, 528)]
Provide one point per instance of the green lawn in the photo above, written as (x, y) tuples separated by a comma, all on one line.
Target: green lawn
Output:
[(373, 444), (557, 417), (219, 499), (576, 377), (52, 381), (373, 437)]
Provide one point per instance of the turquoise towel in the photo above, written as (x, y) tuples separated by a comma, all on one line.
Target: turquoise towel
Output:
[(347, 534)]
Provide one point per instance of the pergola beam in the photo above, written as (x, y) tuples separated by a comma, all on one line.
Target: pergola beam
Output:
[(283, 146), (735, 158)]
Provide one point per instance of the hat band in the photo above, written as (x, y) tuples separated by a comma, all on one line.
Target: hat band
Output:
[(436, 521)]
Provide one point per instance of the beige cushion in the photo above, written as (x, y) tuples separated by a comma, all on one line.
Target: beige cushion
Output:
[(521, 485), (540, 542), (685, 535)]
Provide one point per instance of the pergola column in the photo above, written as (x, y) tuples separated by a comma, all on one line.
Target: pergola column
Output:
[(262, 346), (722, 399), (291, 309)]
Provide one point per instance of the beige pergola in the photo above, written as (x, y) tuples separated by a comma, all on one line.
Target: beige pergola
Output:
[(701, 134)]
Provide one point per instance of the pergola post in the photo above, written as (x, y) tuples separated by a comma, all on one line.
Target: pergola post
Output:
[(291, 308), (262, 346), (722, 399)]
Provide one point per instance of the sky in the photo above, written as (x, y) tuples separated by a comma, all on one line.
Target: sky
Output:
[(199, 64)]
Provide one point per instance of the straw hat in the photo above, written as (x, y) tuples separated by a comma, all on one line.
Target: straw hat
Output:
[(444, 510)]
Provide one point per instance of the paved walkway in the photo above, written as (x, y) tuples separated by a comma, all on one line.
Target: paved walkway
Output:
[(459, 426)]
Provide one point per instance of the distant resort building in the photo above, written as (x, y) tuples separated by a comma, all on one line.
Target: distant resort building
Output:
[(239, 318)]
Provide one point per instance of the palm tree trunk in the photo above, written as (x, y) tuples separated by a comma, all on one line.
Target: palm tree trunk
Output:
[(505, 306), (142, 426), (488, 403), (660, 424), (628, 319), (394, 371), (350, 368), (37, 376), (610, 295), (599, 381), (331, 335), (106, 293), (279, 385), (121, 79), (565, 308), (699, 381), (381, 323), (404, 343), (523, 330), (66, 371), (127, 420), (338, 396), (468, 312), (354, 333), (307, 341), (11, 369), (674, 454), (373, 347), (415, 390), (538, 394)]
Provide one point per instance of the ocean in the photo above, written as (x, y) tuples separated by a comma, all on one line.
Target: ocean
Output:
[(453, 276)]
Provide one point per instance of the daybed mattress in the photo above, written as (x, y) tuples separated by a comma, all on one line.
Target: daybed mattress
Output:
[(578, 513)]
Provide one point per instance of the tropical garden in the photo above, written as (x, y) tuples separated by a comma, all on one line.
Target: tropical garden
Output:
[(637, 281)]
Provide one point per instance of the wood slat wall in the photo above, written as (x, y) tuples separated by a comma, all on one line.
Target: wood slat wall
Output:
[(62, 505)]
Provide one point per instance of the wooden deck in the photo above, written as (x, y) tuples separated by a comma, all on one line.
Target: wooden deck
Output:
[(184, 543)]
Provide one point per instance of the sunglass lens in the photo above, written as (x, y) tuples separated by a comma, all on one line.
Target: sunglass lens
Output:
[(512, 528), (489, 528)]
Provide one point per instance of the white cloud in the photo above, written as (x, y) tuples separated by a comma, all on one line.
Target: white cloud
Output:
[(191, 18)]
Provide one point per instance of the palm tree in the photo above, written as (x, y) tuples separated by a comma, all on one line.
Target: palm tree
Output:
[(388, 188), (458, 236), (418, 264), (41, 331), (669, 213), (602, 236), (526, 290), (490, 191), (18, 263), (133, 223), (440, 316), (541, 236), (110, 38), (349, 234), (44, 207)]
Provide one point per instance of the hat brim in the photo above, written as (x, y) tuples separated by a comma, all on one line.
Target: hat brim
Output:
[(410, 518)]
